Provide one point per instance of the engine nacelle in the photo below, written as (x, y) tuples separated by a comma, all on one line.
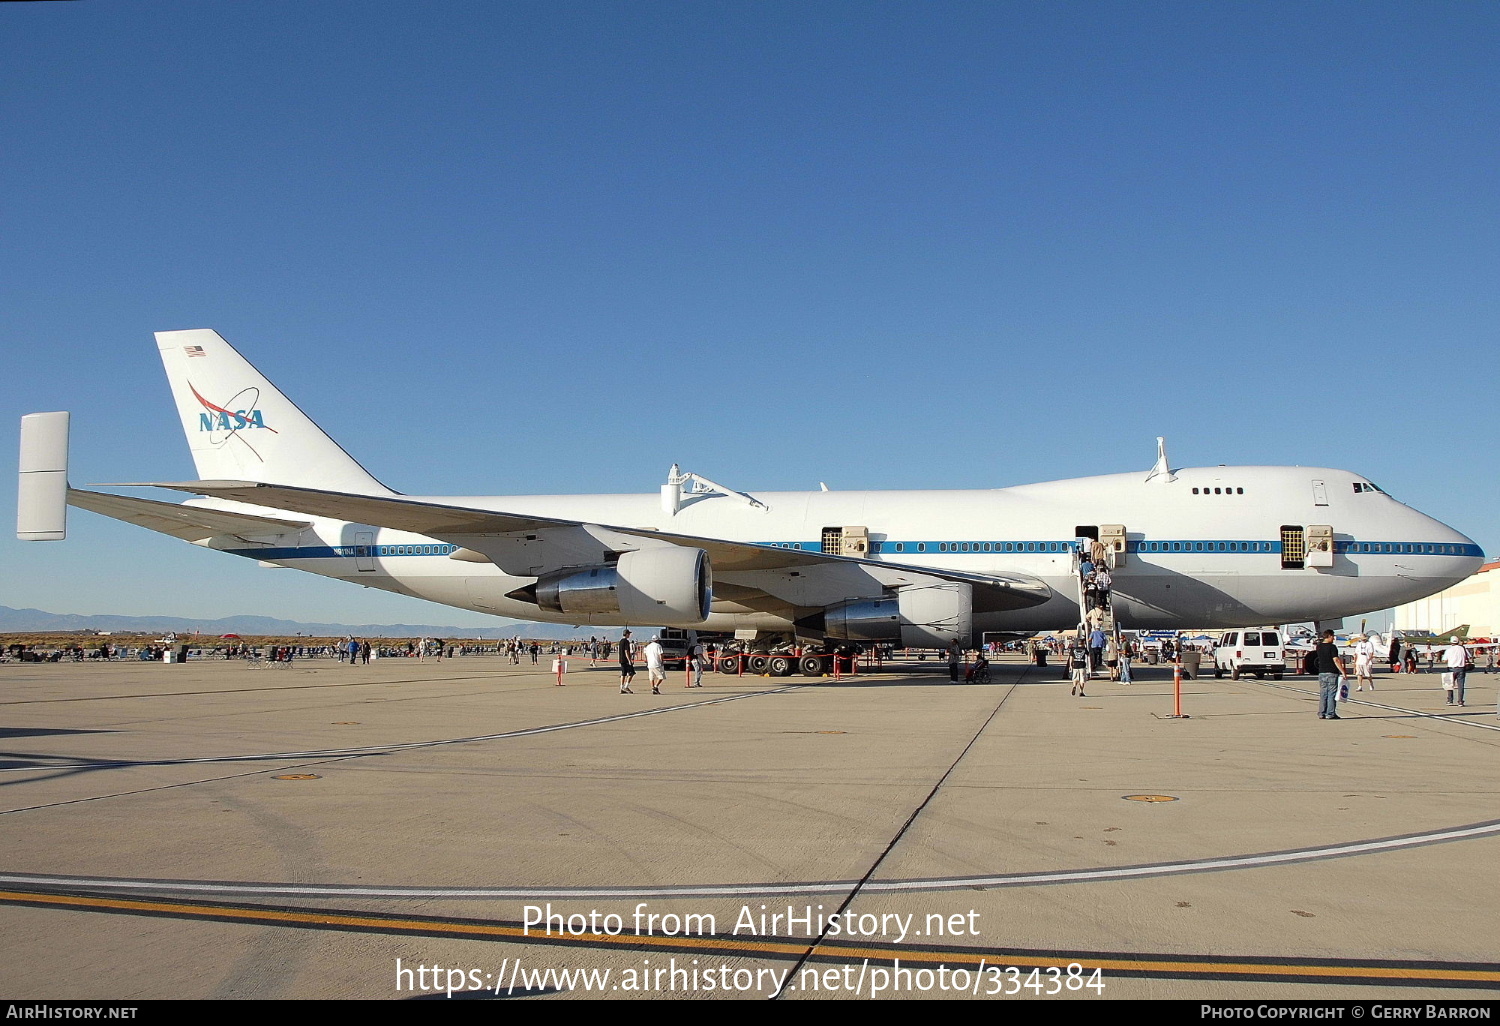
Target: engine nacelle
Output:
[(659, 586), (918, 617)]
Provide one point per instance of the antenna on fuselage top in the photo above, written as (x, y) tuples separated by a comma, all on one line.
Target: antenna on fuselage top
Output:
[(1162, 471)]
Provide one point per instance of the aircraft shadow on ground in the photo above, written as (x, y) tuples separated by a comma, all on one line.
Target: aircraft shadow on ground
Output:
[(6, 732)]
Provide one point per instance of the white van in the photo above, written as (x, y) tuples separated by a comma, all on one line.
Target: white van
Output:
[(1257, 650)]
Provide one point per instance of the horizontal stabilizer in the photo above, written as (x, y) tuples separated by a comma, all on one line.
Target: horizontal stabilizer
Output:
[(397, 514), (190, 523)]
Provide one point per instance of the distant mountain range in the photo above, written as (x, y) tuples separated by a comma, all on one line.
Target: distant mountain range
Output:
[(21, 620)]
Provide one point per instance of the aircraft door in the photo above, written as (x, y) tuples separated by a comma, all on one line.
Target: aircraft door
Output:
[(364, 552), (1112, 537), (1293, 547), (1319, 545), (846, 541)]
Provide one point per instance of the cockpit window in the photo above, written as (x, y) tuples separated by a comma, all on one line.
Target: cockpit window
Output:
[(1365, 486)]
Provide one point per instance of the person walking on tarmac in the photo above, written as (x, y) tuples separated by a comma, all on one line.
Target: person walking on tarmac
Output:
[(655, 669), (955, 655), (695, 663), (627, 666), (1078, 664)]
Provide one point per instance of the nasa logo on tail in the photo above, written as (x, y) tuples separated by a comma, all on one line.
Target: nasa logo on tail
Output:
[(238, 414)]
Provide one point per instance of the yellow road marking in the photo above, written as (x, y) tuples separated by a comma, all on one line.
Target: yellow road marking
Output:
[(997, 959)]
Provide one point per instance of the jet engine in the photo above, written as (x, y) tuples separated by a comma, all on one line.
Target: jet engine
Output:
[(666, 586), (917, 617)]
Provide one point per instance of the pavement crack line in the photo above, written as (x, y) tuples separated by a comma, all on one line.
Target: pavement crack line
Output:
[(896, 838), (159, 787), (485, 677), (326, 753)]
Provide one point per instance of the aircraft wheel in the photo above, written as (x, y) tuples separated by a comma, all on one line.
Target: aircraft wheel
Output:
[(781, 666), (813, 666), (729, 663), (757, 664)]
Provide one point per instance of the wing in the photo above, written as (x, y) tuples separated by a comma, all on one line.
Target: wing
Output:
[(529, 546)]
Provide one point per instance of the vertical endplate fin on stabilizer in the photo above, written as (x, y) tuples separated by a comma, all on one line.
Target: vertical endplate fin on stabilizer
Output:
[(240, 426), (42, 490)]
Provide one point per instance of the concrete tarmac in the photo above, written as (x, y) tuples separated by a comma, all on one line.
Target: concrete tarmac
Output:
[(397, 830)]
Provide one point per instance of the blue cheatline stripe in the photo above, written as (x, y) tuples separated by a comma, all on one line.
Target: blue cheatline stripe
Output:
[(348, 551), (1173, 546), (1226, 546)]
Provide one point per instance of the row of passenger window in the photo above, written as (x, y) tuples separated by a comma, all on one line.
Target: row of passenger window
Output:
[(1234, 546), (399, 550), (1144, 546), (986, 546)]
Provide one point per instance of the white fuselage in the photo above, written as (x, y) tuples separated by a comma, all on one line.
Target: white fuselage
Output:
[(1205, 558)]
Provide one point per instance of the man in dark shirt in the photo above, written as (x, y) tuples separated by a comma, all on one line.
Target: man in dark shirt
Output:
[(1331, 674), (627, 668)]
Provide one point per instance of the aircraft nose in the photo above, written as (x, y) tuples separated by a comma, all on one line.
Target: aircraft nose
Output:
[(1455, 556)]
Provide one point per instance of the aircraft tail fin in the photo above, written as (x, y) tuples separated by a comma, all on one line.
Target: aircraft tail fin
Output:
[(239, 425)]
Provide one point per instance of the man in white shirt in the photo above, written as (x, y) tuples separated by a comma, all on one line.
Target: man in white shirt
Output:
[(1364, 663), (1457, 659), (654, 668)]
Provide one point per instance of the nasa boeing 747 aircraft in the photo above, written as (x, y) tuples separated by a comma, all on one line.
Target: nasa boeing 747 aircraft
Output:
[(1212, 547)]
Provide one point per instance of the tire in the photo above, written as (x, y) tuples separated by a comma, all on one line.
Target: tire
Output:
[(757, 664), (1218, 673), (813, 666), (729, 663), (1234, 674), (781, 666), (1275, 676)]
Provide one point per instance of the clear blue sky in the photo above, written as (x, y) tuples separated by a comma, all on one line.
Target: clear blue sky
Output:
[(879, 244)]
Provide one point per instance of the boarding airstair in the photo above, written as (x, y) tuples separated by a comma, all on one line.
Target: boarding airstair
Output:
[(1096, 606)]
